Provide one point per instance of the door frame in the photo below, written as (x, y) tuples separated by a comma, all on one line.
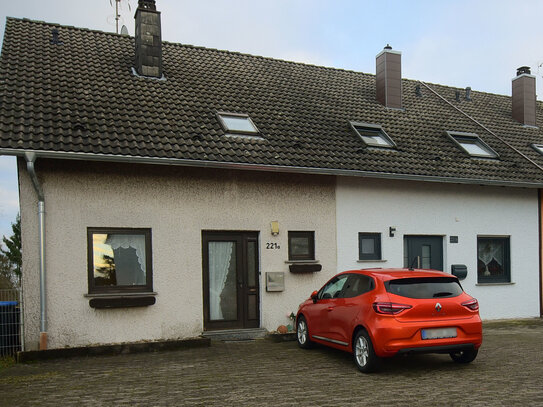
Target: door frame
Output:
[(243, 291)]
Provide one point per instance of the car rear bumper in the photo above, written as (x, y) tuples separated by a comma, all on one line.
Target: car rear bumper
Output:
[(391, 337)]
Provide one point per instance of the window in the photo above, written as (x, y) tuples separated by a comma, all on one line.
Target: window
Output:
[(119, 260), (301, 245), (369, 246), (538, 148), (237, 123), (356, 285), (373, 135), (472, 145), (493, 260), (333, 288), (435, 287)]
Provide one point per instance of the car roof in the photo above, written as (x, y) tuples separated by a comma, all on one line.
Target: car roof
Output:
[(394, 273)]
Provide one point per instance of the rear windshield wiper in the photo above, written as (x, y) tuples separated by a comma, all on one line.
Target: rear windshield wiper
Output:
[(442, 294)]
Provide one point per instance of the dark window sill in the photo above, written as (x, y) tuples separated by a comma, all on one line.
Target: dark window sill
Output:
[(122, 301), (371, 261), (309, 261), (497, 283), (305, 268)]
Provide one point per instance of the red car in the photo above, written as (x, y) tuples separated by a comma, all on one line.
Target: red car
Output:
[(378, 313)]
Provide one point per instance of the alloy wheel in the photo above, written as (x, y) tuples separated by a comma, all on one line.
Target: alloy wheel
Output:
[(361, 351)]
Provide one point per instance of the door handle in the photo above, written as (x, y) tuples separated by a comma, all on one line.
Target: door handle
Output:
[(252, 290), (330, 309)]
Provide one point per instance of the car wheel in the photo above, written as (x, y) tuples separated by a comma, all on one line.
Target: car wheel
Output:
[(464, 356), (302, 333), (364, 356)]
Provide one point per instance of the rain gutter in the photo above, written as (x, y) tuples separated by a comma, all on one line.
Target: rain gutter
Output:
[(61, 155)]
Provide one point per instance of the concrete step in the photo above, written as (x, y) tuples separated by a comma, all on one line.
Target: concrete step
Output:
[(236, 334)]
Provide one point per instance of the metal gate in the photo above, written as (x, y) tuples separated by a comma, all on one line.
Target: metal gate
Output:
[(11, 322)]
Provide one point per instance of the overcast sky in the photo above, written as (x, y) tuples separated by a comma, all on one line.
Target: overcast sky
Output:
[(457, 43)]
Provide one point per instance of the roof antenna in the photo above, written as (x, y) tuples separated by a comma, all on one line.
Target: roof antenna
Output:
[(117, 15)]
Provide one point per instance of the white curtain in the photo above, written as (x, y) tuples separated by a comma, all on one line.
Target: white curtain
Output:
[(489, 251), (136, 242), (220, 254)]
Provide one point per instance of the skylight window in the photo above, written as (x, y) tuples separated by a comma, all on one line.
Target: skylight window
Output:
[(473, 145), (538, 148), (373, 135), (237, 123)]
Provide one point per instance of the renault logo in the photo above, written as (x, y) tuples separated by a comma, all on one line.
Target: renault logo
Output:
[(438, 307)]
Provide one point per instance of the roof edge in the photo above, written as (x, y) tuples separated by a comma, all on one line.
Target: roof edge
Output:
[(62, 155)]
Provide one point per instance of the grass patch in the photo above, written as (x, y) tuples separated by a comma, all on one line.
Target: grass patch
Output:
[(6, 361)]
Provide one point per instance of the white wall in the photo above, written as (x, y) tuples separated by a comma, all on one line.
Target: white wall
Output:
[(177, 204), (417, 208)]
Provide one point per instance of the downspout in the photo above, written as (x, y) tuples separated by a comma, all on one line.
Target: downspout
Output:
[(30, 160)]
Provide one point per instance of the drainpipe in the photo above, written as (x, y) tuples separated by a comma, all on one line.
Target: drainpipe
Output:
[(30, 160)]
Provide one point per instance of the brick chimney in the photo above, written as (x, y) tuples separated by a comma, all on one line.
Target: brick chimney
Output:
[(148, 40), (523, 99), (388, 78)]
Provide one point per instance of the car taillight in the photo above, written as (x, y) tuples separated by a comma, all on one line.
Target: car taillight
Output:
[(471, 304), (389, 308)]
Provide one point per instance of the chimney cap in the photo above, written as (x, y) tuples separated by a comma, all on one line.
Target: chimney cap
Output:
[(388, 47), (147, 4), (523, 70)]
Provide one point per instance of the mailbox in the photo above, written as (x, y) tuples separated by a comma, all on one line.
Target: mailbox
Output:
[(459, 270)]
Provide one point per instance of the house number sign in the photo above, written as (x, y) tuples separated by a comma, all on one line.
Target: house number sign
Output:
[(272, 246)]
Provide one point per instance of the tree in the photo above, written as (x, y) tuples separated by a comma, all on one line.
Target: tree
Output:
[(11, 257)]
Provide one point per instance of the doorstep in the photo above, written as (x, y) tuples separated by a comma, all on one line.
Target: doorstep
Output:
[(236, 334), (116, 349)]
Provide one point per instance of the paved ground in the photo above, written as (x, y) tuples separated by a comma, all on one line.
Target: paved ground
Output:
[(507, 372)]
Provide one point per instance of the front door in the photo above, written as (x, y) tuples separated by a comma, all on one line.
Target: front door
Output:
[(425, 252), (231, 280)]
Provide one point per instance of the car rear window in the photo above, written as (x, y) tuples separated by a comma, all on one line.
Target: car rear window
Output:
[(435, 287)]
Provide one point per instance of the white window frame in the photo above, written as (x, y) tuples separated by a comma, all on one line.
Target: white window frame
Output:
[(373, 128)]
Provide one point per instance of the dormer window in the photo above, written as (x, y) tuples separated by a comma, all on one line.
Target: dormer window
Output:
[(373, 135), (538, 148), (235, 123), (472, 145)]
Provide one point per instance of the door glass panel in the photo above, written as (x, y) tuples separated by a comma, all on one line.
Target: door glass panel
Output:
[(222, 281), (426, 256), (251, 264), (252, 307)]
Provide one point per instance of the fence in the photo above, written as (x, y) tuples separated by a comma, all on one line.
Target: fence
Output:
[(11, 322)]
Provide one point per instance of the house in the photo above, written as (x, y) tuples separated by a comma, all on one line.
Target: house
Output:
[(168, 190)]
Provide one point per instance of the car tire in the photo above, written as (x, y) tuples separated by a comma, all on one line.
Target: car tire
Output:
[(464, 356), (302, 333), (364, 356)]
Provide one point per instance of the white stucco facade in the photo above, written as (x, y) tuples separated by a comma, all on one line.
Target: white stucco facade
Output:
[(177, 204), (466, 211)]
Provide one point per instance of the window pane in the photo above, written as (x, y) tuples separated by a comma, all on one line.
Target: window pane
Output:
[(368, 246), (222, 281), (474, 148), (333, 288), (493, 259), (426, 256), (236, 123), (251, 264), (299, 246), (119, 259), (440, 287)]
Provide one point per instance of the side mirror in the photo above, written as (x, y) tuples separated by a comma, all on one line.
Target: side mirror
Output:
[(314, 296)]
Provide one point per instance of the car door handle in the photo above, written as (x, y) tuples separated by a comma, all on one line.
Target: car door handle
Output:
[(330, 309)]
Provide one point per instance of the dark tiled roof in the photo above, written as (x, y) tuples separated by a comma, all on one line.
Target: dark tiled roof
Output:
[(82, 97)]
